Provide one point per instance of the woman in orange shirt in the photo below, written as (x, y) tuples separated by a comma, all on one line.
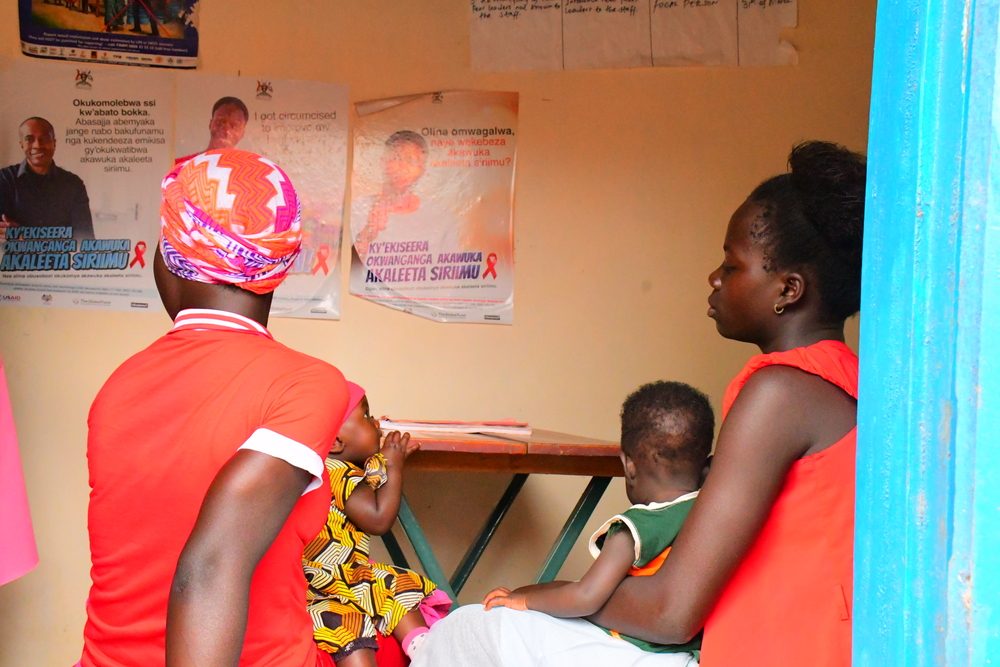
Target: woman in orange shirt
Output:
[(764, 560)]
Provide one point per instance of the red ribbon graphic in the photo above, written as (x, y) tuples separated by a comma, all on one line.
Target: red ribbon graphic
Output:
[(491, 266), (140, 251), (322, 254)]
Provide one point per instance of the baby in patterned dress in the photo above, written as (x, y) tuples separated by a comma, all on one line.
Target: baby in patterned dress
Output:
[(350, 598)]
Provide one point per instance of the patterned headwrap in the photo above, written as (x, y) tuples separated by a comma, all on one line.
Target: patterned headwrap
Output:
[(230, 217)]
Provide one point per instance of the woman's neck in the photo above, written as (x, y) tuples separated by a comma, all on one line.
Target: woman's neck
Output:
[(800, 334), (257, 307)]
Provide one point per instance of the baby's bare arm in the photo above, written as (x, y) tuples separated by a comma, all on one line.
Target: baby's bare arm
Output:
[(572, 599), (374, 511)]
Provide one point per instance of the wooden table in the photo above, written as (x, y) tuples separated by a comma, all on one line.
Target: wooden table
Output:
[(543, 452)]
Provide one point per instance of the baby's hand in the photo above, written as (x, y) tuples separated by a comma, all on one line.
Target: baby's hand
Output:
[(503, 597), (397, 446), (500, 591)]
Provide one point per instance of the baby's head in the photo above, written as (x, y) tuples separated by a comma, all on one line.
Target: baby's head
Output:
[(667, 431), (360, 434)]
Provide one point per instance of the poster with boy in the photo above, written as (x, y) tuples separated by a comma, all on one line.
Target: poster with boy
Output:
[(432, 203), (83, 151), (302, 127)]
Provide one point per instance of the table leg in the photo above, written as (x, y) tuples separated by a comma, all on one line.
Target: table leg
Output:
[(395, 551), (572, 528), (477, 548), (414, 533)]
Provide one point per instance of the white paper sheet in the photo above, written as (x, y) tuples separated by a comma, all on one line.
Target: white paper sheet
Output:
[(693, 32), (586, 34), (511, 35), (761, 22), (606, 34)]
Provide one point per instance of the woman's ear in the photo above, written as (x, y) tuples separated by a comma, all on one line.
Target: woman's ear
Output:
[(793, 288)]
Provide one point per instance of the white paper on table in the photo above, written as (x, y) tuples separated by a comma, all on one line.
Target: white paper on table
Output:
[(701, 32), (760, 26), (511, 35), (606, 34)]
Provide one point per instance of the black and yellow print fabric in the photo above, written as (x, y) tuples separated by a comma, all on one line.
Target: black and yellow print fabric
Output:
[(350, 598)]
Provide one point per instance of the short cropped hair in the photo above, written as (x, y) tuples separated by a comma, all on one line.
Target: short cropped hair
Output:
[(669, 424), (231, 101), (406, 137), (44, 121)]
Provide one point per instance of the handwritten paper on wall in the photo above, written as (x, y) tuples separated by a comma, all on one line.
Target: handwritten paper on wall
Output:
[(592, 34)]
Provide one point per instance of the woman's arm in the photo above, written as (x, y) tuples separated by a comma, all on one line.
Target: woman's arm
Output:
[(770, 426), (243, 511), (374, 510), (574, 599)]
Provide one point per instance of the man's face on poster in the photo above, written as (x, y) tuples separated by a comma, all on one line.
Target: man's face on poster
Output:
[(404, 164), (227, 126), (38, 142)]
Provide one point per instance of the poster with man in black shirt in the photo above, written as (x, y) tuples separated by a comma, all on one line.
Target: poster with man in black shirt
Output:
[(36, 192), (119, 130)]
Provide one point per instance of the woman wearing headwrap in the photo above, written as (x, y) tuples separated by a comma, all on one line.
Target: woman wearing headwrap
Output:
[(206, 449)]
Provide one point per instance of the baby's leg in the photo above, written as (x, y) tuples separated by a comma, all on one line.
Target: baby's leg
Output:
[(362, 657), (410, 631)]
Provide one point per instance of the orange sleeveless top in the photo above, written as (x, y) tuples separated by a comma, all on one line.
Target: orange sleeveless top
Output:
[(789, 601)]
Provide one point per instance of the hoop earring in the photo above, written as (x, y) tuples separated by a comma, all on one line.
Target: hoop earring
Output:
[(778, 310)]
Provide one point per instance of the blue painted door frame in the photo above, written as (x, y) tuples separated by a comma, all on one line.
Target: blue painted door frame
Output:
[(927, 537)]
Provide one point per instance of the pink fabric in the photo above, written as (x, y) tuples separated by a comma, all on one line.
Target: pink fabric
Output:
[(19, 554), (354, 395), (434, 607), (410, 636)]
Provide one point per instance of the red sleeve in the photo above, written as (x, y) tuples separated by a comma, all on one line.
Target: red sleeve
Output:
[(303, 412)]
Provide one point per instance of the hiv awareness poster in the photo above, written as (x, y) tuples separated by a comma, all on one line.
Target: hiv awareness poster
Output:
[(83, 152), (82, 156), (432, 204), (156, 33), (301, 126)]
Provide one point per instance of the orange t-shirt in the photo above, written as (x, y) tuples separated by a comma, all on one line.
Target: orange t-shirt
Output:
[(161, 427), (789, 601)]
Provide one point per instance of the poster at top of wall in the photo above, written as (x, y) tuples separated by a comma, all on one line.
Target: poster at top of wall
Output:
[(611, 34), (302, 126), (156, 33), (432, 205), (82, 153)]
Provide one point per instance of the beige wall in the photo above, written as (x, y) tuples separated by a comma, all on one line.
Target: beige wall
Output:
[(625, 182)]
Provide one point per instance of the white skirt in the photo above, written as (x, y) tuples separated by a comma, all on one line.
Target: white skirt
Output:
[(473, 637)]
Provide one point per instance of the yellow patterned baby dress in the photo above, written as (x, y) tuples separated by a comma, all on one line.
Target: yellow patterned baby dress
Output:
[(350, 598)]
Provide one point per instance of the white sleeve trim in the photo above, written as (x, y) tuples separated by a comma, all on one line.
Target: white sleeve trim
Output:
[(290, 451), (659, 506), (592, 543)]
